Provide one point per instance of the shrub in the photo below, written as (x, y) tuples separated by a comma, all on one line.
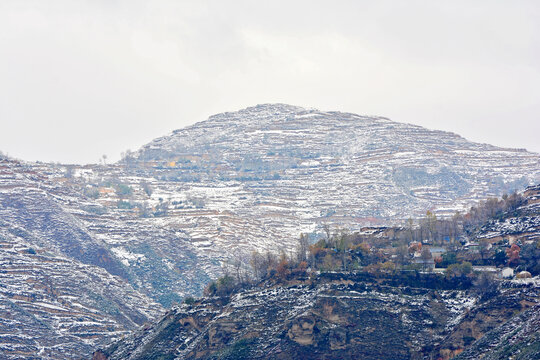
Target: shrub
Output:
[(124, 205), (92, 192), (189, 300), (457, 270), (282, 269), (123, 190), (223, 286)]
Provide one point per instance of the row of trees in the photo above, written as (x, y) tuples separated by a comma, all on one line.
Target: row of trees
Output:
[(329, 255), (267, 266), (449, 230)]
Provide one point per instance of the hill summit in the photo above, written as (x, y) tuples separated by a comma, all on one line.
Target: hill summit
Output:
[(350, 167)]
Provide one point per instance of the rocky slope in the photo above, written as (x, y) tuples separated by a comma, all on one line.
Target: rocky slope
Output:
[(31, 207), (61, 290), (334, 161), (39, 204), (55, 307), (280, 170), (332, 316), (518, 339), (522, 225)]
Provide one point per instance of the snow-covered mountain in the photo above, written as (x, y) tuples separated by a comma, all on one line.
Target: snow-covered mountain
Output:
[(341, 166), (54, 307), (273, 171), (174, 210), (160, 223)]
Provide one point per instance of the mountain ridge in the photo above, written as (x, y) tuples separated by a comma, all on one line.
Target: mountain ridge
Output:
[(297, 108)]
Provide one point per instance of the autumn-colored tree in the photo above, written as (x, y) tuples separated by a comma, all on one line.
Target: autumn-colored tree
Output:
[(300, 269), (373, 268), (329, 262), (263, 264), (415, 247), (388, 266), (317, 251), (512, 254), (282, 269), (363, 247)]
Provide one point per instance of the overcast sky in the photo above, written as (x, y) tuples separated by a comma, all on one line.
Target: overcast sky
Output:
[(79, 79)]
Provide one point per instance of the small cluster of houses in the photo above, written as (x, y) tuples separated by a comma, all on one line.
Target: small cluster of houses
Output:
[(428, 263)]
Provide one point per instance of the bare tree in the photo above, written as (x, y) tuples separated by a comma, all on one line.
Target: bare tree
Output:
[(402, 254), (303, 247), (425, 255)]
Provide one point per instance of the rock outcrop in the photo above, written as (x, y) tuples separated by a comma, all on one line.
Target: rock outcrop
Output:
[(332, 316)]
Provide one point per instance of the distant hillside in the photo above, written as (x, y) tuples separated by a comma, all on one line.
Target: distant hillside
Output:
[(258, 177), (277, 170), (346, 167), (53, 307), (170, 214)]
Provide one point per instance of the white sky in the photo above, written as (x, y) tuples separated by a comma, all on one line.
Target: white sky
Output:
[(79, 79)]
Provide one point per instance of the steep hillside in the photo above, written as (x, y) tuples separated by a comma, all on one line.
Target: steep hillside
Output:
[(62, 291), (280, 170), (30, 206), (518, 339), (332, 316), (59, 308), (521, 225), (41, 205), (371, 166)]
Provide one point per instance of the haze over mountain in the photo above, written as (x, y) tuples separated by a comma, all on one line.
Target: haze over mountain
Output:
[(100, 77)]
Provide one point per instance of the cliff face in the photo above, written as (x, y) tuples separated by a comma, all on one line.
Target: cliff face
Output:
[(333, 316), (517, 339)]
